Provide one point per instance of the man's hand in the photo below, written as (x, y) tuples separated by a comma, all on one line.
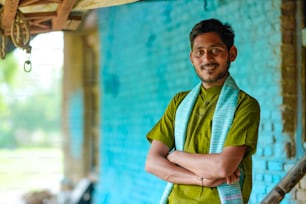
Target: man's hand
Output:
[(213, 182), (171, 156), (231, 179), (216, 182), (211, 166), (234, 177), (158, 164)]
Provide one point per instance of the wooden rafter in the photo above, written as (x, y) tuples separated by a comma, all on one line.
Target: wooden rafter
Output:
[(49, 15), (39, 22), (63, 11), (24, 3), (19, 19), (9, 12)]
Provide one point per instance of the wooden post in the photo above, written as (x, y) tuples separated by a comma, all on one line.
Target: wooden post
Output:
[(287, 183)]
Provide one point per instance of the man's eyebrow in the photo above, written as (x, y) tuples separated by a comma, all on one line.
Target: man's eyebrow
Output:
[(212, 45), (218, 45)]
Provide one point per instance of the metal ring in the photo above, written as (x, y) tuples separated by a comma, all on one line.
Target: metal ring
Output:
[(27, 66)]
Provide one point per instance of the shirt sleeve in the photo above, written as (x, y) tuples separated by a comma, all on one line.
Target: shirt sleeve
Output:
[(163, 130), (244, 130)]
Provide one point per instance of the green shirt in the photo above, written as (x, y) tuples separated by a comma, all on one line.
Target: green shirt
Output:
[(244, 131)]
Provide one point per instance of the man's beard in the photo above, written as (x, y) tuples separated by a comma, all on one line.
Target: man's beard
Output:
[(221, 75)]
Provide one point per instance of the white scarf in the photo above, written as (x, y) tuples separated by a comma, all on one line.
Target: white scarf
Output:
[(222, 121)]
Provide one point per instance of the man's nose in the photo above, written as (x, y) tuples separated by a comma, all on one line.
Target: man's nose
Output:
[(207, 56)]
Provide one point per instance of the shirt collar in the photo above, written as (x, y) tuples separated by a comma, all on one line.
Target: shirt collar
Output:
[(210, 92)]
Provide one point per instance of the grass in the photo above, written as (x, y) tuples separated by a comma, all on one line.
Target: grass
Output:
[(30, 169)]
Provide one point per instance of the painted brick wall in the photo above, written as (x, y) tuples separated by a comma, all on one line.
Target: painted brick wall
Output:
[(145, 61)]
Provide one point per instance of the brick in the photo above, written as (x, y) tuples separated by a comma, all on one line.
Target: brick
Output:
[(259, 177), (267, 126), (265, 138), (276, 115), (275, 165), (268, 151), (277, 126), (268, 178), (261, 190), (276, 178), (259, 151), (260, 164), (279, 150)]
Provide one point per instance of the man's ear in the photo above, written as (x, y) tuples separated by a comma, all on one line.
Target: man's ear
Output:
[(190, 57), (233, 53)]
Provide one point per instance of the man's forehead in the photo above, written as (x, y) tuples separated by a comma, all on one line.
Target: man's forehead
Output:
[(208, 45), (208, 40)]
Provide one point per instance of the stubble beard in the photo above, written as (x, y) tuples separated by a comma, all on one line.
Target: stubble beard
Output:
[(219, 77)]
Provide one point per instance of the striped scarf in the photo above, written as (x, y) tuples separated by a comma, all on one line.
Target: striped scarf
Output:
[(222, 121)]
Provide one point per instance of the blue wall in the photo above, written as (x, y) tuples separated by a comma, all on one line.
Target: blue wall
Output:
[(145, 61)]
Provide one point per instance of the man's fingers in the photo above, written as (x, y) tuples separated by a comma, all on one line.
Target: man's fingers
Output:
[(237, 172), (232, 179), (228, 180)]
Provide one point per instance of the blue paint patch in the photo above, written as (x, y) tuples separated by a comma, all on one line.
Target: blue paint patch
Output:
[(76, 124)]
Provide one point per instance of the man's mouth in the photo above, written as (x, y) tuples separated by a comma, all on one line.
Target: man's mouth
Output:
[(210, 66)]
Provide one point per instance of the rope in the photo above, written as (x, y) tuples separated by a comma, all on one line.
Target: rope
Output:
[(3, 44), (20, 35), (20, 32), (2, 38)]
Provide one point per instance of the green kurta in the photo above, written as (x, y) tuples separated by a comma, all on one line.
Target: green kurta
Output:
[(244, 131)]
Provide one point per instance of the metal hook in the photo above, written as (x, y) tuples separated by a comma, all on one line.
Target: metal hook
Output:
[(27, 66)]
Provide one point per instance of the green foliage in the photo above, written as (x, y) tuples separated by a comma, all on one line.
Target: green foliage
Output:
[(26, 108), (8, 67), (39, 111)]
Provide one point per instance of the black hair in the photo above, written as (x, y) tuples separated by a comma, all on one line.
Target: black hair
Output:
[(225, 31)]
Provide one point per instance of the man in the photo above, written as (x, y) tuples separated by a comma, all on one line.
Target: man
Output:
[(207, 162)]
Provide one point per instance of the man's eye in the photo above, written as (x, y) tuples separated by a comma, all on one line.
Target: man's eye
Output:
[(215, 51), (199, 53)]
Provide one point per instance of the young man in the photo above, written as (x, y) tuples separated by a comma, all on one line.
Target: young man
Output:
[(204, 142)]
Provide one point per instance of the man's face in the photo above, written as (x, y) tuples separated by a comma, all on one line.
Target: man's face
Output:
[(211, 59)]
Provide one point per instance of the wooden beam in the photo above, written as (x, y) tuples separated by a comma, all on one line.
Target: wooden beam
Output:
[(36, 30), (30, 16), (287, 183), (9, 12), (72, 23), (63, 12), (24, 3), (93, 4)]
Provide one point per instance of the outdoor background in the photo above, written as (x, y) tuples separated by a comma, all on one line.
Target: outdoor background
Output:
[(30, 127)]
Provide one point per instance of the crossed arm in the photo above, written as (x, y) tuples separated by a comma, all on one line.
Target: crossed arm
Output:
[(181, 167)]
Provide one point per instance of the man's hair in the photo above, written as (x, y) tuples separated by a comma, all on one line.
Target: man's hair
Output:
[(225, 31)]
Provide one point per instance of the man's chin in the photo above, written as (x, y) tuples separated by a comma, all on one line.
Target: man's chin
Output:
[(209, 80), (213, 80)]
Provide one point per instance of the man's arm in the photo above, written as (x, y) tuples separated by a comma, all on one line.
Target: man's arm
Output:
[(210, 166), (158, 164)]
